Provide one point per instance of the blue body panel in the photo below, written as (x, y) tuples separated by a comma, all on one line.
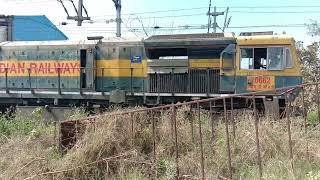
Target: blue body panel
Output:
[(285, 81), (35, 28), (40, 82), (108, 84), (226, 82)]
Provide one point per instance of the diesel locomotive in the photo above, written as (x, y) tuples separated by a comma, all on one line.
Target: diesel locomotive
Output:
[(157, 70)]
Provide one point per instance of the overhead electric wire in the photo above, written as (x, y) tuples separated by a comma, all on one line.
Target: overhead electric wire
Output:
[(277, 12), (192, 27), (222, 7), (203, 14)]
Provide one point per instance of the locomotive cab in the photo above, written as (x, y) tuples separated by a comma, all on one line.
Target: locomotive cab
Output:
[(265, 63)]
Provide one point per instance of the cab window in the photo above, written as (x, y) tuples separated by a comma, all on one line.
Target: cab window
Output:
[(275, 58), (289, 62), (253, 58), (270, 58)]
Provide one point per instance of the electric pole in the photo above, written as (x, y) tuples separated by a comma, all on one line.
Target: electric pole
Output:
[(215, 14), (80, 12), (79, 18), (117, 4)]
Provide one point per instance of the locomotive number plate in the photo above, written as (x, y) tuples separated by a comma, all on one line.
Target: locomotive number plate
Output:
[(260, 83)]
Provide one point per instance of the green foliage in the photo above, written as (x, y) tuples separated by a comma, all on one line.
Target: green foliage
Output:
[(54, 154), (31, 125), (313, 175), (77, 113), (133, 174), (162, 166), (314, 28), (165, 168), (309, 55), (310, 64), (312, 118)]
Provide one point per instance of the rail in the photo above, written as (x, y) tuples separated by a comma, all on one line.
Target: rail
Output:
[(70, 130)]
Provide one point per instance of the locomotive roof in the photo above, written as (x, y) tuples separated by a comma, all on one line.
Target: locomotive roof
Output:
[(45, 43), (191, 36), (265, 40), (183, 40), (167, 40), (112, 40)]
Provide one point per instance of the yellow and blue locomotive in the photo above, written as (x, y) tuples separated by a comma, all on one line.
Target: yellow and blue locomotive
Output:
[(157, 70)]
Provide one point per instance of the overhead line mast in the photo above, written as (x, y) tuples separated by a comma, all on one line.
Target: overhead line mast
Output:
[(79, 18), (215, 14), (117, 4)]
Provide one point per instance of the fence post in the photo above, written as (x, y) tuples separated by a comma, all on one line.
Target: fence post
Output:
[(201, 142), (132, 126), (289, 128), (232, 120), (212, 123), (304, 110), (174, 119), (191, 123), (227, 137), (59, 137), (55, 132), (154, 144), (318, 101), (256, 125), (305, 114)]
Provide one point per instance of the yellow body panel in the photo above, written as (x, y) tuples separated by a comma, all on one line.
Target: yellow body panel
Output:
[(204, 63), (264, 40), (121, 68)]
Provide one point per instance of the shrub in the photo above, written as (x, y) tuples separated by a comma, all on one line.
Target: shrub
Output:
[(312, 118)]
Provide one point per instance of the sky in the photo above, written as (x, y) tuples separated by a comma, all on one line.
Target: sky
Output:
[(174, 16)]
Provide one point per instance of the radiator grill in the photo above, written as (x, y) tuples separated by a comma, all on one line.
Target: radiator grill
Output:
[(194, 81)]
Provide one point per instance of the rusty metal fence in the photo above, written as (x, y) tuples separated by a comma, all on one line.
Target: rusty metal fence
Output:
[(294, 96)]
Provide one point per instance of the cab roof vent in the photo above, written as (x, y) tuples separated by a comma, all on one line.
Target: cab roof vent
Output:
[(190, 36), (256, 33)]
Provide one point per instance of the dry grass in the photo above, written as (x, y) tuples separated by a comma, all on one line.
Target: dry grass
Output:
[(111, 150)]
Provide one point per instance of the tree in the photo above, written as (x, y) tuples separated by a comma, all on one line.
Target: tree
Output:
[(309, 56), (310, 64), (314, 28)]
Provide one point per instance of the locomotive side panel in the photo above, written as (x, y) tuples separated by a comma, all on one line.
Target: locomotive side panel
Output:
[(40, 66), (121, 66)]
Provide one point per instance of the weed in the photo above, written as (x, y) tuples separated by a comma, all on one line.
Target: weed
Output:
[(112, 137)]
